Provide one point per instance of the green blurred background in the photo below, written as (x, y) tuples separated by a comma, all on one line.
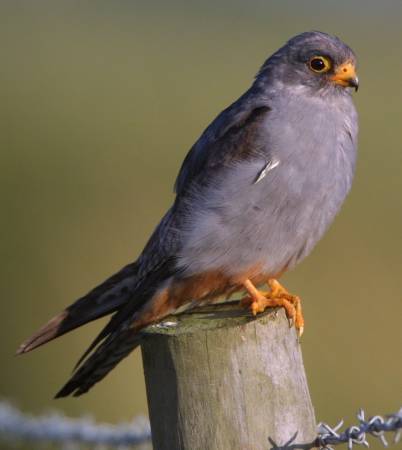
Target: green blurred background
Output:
[(99, 103)]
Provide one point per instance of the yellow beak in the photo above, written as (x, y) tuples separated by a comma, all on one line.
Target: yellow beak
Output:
[(345, 75)]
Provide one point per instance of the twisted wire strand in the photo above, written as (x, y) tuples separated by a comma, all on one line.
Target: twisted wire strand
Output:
[(57, 428), (376, 426)]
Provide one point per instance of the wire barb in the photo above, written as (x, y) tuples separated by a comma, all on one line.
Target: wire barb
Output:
[(357, 434)]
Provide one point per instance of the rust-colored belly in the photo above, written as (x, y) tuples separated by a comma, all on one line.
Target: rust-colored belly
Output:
[(204, 287)]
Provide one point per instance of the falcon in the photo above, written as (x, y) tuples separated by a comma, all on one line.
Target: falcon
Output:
[(254, 195)]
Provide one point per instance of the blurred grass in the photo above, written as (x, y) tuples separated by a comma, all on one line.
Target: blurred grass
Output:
[(99, 104)]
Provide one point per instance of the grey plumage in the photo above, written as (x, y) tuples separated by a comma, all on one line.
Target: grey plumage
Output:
[(300, 124), (310, 127)]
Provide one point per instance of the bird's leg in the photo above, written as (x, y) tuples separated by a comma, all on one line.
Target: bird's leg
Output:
[(258, 301)]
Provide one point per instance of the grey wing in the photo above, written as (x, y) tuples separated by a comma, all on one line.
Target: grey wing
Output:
[(155, 264), (161, 246), (231, 137), (217, 186)]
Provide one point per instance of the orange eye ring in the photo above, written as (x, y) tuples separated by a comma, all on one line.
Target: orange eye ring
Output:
[(320, 64)]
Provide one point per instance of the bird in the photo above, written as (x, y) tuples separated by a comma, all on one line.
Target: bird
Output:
[(253, 196)]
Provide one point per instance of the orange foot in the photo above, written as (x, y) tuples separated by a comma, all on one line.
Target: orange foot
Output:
[(258, 301)]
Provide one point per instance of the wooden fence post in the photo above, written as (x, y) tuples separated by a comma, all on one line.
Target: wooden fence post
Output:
[(218, 379)]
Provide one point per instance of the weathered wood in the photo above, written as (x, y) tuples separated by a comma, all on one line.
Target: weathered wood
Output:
[(218, 379)]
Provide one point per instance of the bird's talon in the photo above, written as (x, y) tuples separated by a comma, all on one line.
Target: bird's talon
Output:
[(254, 308), (258, 301)]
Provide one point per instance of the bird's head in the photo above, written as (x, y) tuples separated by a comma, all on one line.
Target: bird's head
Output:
[(313, 59)]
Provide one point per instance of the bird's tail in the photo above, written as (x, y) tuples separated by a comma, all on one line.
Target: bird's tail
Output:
[(125, 293), (120, 336), (104, 299), (101, 362)]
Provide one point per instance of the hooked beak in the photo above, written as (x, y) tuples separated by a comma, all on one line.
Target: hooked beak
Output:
[(345, 75)]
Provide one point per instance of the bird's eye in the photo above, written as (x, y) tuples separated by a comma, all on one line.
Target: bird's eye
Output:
[(319, 64)]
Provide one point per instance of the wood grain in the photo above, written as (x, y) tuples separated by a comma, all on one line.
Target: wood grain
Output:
[(218, 379)]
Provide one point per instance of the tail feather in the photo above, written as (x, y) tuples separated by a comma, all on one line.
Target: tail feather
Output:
[(125, 294), (104, 299), (118, 338), (114, 349)]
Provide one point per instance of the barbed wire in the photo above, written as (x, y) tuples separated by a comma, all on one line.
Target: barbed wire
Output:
[(56, 428), (375, 426), (328, 436)]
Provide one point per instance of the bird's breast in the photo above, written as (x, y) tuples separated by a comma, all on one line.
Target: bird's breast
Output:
[(271, 210)]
